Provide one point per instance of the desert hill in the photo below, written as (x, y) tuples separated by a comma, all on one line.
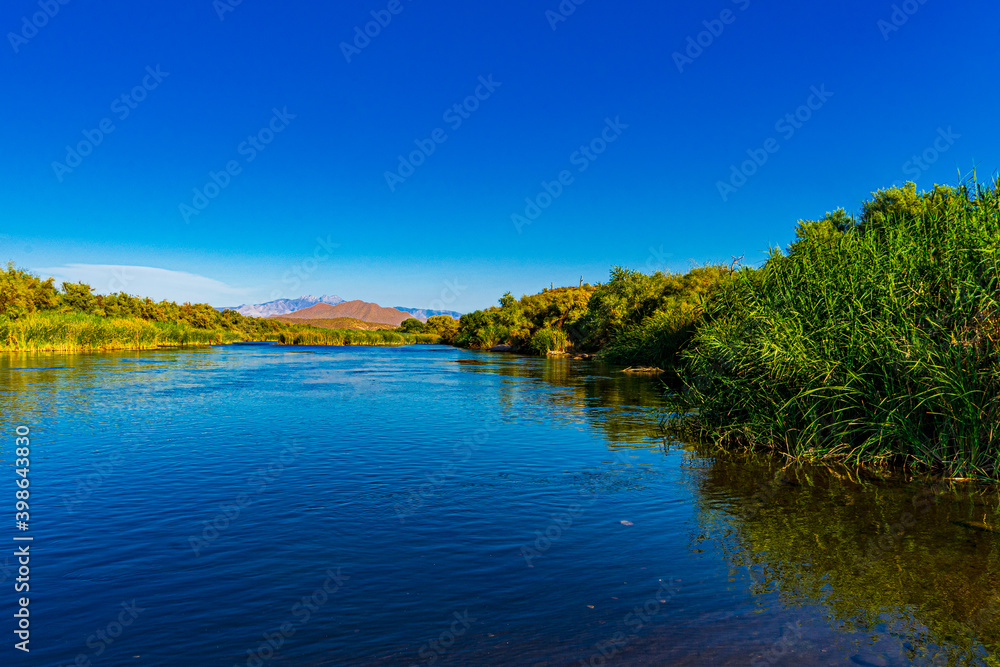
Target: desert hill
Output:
[(338, 323), (358, 310)]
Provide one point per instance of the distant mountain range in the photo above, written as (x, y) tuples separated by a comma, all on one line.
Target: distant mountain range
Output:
[(284, 306), (358, 310), (423, 313), (287, 306)]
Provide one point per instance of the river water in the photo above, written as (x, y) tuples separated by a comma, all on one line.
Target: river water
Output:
[(266, 505)]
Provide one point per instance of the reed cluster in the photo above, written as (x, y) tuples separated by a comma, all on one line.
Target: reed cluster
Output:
[(872, 339), (77, 331), (316, 336)]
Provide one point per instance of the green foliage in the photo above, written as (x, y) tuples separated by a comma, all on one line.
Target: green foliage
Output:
[(516, 322), (548, 340), (646, 319), (875, 341), (316, 336), (22, 293), (35, 316), (633, 319), (412, 325), (77, 298), (813, 233), (54, 330), (443, 326)]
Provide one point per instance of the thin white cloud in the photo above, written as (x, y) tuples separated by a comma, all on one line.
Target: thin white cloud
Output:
[(157, 284)]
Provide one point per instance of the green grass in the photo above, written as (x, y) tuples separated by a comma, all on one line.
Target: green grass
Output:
[(51, 331), (873, 342), (70, 332), (311, 336)]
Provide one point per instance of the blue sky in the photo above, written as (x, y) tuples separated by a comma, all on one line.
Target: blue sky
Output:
[(641, 137)]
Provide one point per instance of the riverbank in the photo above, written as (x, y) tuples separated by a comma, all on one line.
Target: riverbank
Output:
[(79, 332), (871, 339), (72, 332)]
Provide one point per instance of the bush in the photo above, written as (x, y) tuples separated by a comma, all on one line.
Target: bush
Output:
[(22, 293), (412, 325), (445, 327), (874, 340), (548, 340)]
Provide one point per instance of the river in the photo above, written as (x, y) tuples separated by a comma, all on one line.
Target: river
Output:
[(267, 505)]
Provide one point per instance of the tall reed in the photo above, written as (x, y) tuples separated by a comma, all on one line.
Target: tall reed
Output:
[(873, 341), (43, 331)]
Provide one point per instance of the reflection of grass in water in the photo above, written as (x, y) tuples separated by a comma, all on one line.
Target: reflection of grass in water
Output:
[(872, 552), (620, 405)]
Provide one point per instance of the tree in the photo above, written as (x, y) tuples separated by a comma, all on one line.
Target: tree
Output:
[(77, 298), (444, 326), (412, 325), (22, 292)]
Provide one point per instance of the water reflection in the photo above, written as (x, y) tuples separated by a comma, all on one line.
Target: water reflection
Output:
[(912, 559), (907, 568), (599, 394)]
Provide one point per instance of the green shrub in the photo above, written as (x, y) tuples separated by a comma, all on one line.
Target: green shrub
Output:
[(874, 340), (548, 340)]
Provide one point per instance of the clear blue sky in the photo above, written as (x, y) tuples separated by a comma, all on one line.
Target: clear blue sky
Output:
[(323, 176)]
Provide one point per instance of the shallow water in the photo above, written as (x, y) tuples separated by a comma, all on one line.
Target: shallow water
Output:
[(436, 506)]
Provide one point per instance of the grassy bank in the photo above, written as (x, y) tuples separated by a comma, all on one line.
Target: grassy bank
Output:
[(311, 336), (67, 332), (35, 316), (73, 332), (872, 339)]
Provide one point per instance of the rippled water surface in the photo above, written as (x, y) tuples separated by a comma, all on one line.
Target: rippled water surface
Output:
[(426, 505)]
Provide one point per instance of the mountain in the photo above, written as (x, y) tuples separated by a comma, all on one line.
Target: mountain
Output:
[(422, 313), (284, 306), (358, 310), (337, 323)]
